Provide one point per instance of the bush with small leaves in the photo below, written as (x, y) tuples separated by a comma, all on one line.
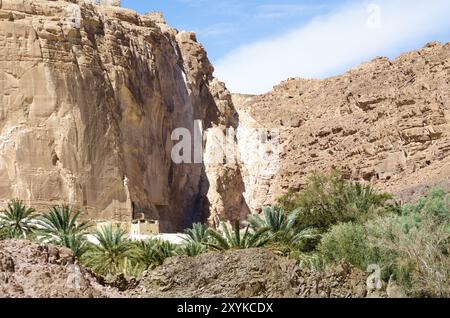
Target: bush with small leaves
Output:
[(327, 200), (420, 241), (347, 242)]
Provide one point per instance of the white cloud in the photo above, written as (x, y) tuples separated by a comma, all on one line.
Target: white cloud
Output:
[(282, 11), (328, 43)]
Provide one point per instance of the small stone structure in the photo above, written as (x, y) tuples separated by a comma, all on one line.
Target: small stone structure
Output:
[(144, 227), (136, 227)]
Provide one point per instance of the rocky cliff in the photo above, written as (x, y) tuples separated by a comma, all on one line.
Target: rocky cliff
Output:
[(385, 122), (89, 96)]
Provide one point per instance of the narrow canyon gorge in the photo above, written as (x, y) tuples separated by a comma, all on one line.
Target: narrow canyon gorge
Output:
[(90, 95)]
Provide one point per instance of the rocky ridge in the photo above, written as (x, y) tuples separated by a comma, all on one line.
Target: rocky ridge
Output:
[(385, 122), (250, 273), (30, 270)]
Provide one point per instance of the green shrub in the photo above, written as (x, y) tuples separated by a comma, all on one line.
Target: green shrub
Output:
[(435, 204), (327, 200), (420, 239), (347, 242), (289, 201)]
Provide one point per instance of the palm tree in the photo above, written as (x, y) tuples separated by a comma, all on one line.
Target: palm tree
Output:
[(192, 249), (60, 222), (282, 229), (364, 199), (17, 220), (75, 242), (235, 240), (3, 234), (132, 269), (61, 226), (198, 233), (274, 219), (107, 257), (152, 253)]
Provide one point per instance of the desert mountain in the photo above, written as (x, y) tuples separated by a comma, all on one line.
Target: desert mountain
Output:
[(90, 94), (385, 122)]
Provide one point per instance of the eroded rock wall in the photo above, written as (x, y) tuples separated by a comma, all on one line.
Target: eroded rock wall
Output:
[(89, 96)]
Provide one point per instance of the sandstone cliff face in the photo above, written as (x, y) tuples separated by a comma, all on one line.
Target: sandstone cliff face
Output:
[(387, 122), (89, 96)]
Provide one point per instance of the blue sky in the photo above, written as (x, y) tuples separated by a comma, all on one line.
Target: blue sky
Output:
[(222, 25), (254, 44)]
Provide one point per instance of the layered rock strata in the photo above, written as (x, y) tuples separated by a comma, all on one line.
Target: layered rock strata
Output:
[(386, 122), (89, 97)]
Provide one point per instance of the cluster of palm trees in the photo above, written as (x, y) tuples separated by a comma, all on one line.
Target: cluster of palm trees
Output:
[(113, 254), (60, 226), (275, 228)]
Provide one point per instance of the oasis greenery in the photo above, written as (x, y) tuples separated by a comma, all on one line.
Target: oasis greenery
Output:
[(329, 221)]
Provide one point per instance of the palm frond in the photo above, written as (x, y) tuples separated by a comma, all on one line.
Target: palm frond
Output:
[(153, 252), (192, 249), (198, 233), (218, 242), (17, 221), (59, 222), (113, 247), (235, 239)]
